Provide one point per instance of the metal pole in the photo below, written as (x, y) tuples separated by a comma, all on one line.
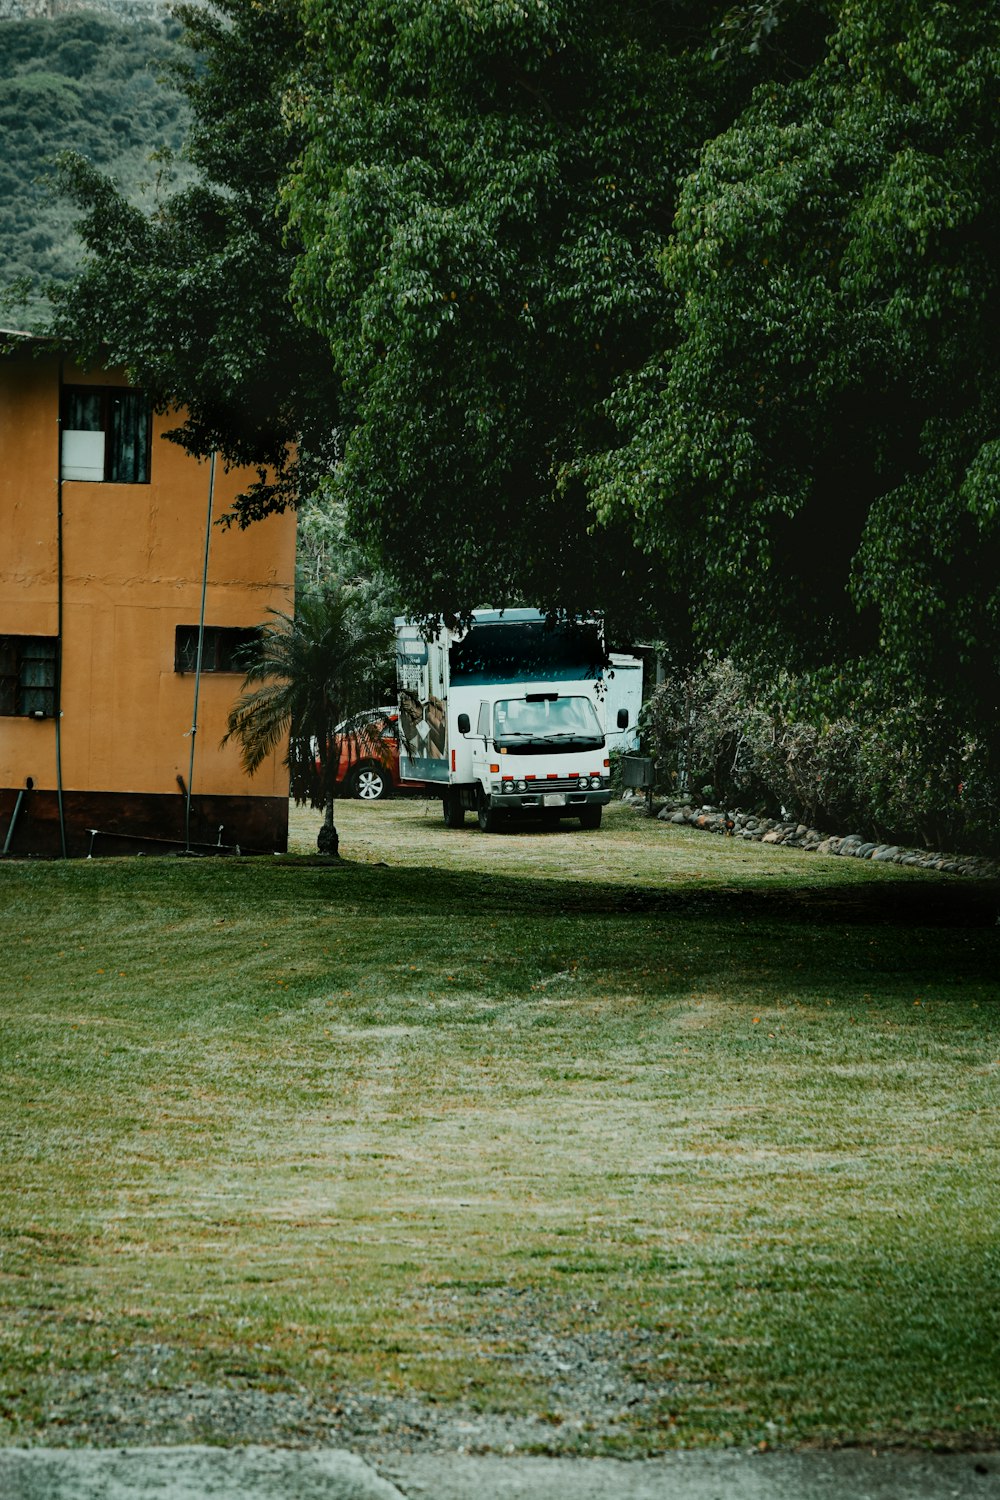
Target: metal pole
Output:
[(198, 659), (60, 589)]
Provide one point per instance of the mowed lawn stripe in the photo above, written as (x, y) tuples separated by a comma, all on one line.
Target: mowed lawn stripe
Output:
[(731, 1110)]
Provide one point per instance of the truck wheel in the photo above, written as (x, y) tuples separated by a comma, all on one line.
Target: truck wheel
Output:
[(454, 812), (371, 783), (489, 819), (590, 817)]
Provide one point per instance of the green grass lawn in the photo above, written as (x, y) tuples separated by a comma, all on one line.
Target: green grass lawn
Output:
[(732, 1108)]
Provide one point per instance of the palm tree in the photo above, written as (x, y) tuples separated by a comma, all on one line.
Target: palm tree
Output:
[(304, 676)]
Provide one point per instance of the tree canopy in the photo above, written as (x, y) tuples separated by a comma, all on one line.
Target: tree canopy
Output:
[(193, 298), (682, 311), (820, 437), (424, 245), (482, 199)]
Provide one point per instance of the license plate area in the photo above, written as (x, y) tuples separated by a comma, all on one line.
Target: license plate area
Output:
[(554, 799)]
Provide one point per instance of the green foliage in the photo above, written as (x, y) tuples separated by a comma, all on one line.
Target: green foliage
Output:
[(818, 441), (473, 222), (687, 313), (87, 83), (304, 676), (840, 758), (482, 199), (193, 297), (704, 729), (326, 557)]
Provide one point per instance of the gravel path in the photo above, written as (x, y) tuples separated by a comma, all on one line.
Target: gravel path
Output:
[(591, 1392), (136, 1431), (595, 1381)]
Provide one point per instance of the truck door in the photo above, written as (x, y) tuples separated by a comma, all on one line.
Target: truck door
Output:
[(481, 746)]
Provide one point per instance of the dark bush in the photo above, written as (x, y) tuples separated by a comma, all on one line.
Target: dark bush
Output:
[(897, 772)]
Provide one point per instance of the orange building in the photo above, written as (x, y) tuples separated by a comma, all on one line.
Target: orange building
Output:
[(103, 530)]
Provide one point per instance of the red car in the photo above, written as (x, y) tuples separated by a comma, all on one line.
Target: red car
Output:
[(369, 762)]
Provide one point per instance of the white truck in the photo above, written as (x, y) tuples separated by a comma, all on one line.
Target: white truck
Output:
[(508, 716)]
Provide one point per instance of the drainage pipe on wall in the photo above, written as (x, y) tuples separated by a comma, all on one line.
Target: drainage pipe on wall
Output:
[(198, 659), (28, 784)]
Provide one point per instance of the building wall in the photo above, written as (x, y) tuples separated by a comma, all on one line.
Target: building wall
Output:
[(132, 567)]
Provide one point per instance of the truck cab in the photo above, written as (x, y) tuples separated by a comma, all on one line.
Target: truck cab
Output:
[(537, 751)]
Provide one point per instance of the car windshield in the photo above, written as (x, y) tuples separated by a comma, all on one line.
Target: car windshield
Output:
[(540, 719), (374, 720)]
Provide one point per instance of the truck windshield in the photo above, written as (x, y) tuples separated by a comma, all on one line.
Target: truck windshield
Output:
[(546, 722)]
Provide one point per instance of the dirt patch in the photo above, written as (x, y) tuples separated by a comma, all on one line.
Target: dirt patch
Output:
[(595, 1383)]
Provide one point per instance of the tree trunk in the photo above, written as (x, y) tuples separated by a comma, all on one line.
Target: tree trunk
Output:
[(327, 841)]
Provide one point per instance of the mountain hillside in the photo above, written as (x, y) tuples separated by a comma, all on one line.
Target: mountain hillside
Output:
[(87, 79), (121, 10)]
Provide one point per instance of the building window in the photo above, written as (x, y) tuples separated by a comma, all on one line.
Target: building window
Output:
[(106, 434), (28, 676), (221, 650)]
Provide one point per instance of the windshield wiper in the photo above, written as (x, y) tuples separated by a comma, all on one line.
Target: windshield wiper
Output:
[(577, 734), (523, 741)]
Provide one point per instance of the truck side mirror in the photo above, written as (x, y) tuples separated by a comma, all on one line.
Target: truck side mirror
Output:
[(463, 724), (623, 718)]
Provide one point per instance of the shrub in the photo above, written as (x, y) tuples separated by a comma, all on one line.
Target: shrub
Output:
[(897, 772)]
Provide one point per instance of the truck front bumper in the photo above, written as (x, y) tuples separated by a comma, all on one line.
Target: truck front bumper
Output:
[(541, 800)]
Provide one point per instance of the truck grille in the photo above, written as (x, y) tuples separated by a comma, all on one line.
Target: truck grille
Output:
[(546, 784)]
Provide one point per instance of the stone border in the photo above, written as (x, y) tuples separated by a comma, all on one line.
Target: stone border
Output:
[(761, 830)]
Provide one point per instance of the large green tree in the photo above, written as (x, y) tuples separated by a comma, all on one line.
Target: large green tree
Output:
[(639, 306), (482, 200), (193, 296), (819, 438), (421, 254)]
